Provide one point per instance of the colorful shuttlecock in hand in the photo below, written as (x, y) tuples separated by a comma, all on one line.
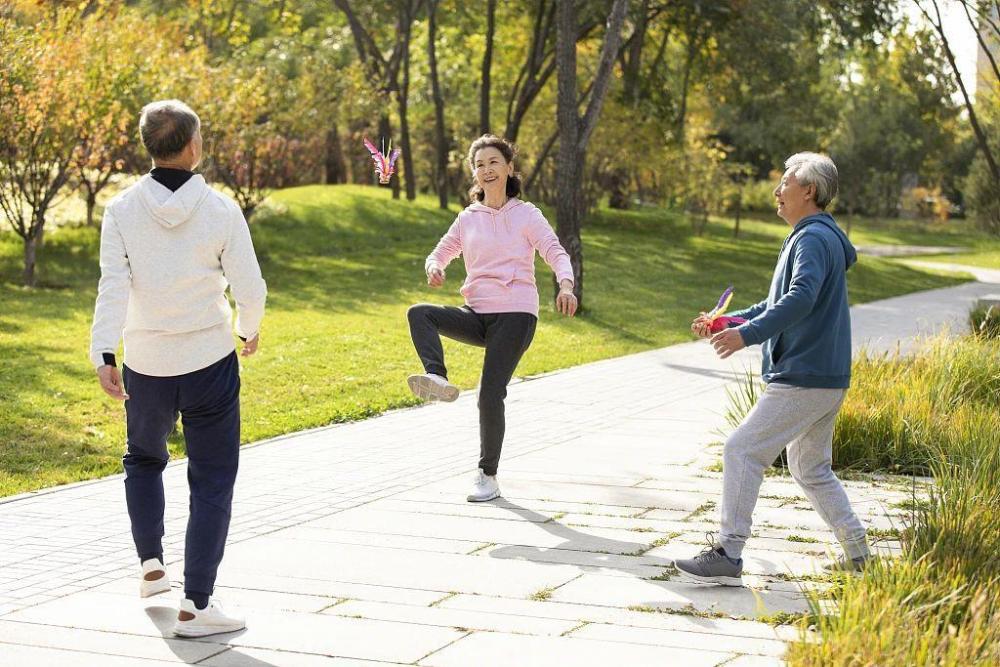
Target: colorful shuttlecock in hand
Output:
[(717, 318), (385, 167)]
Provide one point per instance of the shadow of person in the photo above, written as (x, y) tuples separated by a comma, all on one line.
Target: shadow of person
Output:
[(190, 651), (592, 551), (728, 375), (578, 548)]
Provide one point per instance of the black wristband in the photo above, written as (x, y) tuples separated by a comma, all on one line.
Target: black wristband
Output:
[(109, 359)]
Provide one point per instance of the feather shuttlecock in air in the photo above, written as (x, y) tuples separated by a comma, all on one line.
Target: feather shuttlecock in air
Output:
[(385, 163)]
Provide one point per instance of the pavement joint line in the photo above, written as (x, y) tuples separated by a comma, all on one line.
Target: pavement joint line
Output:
[(441, 648)]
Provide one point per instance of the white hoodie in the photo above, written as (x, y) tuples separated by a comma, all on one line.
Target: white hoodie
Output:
[(166, 260)]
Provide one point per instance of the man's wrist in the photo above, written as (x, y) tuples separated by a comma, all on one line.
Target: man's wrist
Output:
[(109, 359)]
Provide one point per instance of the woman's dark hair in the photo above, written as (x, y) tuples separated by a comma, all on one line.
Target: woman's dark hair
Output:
[(508, 150)]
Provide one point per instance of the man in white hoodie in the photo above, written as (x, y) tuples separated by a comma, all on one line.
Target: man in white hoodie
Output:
[(170, 246)]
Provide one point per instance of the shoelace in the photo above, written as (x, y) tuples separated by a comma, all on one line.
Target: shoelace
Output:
[(709, 551)]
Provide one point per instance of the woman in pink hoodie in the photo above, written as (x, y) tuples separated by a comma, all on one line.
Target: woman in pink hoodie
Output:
[(497, 236)]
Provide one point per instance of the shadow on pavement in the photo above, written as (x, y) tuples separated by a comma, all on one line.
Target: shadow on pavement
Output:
[(163, 618)]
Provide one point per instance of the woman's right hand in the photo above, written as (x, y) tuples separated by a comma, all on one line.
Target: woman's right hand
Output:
[(702, 326), (435, 277)]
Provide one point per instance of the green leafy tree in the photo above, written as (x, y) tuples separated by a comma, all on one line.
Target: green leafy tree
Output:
[(39, 105), (897, 124), (253, 139), (115, 86)]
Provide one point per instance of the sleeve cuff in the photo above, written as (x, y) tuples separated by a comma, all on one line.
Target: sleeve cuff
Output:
[(747, 334), (103, 359)]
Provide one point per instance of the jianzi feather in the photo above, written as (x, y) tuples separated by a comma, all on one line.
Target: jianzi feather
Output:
[(385, 167), (717, 318)]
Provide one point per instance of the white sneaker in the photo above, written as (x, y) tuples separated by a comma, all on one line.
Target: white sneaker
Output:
[(154, 579), (212, 620), (484, 488), (432, 387)]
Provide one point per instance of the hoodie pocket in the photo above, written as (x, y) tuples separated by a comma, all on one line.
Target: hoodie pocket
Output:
[(777, 350)]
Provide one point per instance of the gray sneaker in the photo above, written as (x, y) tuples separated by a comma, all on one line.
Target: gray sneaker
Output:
[(845, 564), (711, 566)]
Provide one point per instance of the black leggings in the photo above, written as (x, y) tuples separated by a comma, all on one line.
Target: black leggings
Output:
[(506, 337)]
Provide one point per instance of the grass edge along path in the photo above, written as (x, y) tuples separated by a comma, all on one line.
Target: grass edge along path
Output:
[(343, 263)]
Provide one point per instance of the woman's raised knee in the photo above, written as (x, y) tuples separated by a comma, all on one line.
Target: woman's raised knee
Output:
[(417, 312)]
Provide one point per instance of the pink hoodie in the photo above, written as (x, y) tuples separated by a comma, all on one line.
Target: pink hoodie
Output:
[(498, 247)]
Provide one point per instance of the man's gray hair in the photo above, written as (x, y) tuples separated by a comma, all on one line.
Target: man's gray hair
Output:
[(816, 170), (167, 127)]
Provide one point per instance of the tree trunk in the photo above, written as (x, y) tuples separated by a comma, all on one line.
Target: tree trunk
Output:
[(575, 131), (618, 189), (535, 71), (569, 170), (441, 167), (403, 94), (91, 199), (739, 210), (484, 91), (30, 249), (334, 166), (633, 65), (685, 87)]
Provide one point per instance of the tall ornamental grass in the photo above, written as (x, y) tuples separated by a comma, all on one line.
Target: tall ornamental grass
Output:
[(939, 602), (901, 413), (985, 321)]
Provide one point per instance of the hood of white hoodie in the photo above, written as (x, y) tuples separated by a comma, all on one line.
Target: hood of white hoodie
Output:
[(168, 208)]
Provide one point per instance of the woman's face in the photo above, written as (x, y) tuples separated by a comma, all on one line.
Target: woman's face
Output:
[(491, 170)]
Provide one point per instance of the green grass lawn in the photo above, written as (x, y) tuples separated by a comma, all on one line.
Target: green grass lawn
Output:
[(888, 231), (343, 264), (986, 259), (983, 250)]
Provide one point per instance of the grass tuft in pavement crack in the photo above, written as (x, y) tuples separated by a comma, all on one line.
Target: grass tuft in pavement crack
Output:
[(542, 594)]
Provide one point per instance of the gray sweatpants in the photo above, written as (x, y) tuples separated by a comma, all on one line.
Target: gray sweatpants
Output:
[(801, 419)]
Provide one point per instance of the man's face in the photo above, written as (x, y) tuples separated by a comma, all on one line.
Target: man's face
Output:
[(792, 198)]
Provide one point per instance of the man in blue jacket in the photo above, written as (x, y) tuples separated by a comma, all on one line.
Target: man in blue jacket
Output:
[(804, 329)]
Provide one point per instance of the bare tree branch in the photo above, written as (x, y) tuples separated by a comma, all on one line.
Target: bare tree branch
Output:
[(979, 38), (484, 91), (977, 129), (609, 50)]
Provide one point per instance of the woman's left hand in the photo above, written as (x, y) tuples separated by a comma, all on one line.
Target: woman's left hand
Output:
[(566, 302)]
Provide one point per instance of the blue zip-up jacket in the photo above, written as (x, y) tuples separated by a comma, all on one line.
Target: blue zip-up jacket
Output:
[(804, 325)]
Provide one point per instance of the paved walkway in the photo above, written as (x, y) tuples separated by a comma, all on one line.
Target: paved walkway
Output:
[(352, 545), (896, 250), (881, 324)]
